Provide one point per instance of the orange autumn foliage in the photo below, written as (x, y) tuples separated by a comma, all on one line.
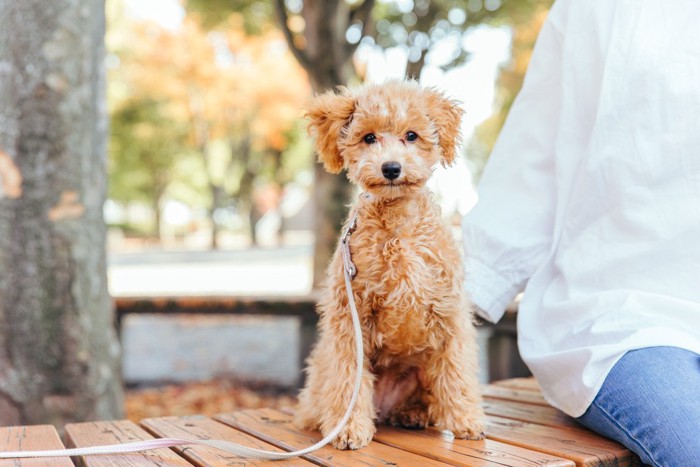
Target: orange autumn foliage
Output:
[(216, 82)]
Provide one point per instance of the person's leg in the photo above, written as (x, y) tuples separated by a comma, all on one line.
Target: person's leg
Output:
[(650, 402)]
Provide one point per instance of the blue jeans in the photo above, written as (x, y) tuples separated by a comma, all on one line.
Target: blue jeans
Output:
[(650, 402)]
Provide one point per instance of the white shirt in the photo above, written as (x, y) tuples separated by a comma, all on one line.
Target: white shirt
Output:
[(591, 198)]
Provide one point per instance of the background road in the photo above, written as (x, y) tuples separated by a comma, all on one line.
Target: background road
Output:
[(256, 271)]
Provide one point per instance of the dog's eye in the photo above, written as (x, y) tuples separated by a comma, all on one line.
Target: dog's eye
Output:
[(411, 136), (370, 138)]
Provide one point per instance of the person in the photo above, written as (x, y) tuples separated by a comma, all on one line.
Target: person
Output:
[(590, 203)]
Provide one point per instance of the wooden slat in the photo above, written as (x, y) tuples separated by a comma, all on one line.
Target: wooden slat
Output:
[(276, 428), (493, 391), (294, 305), (32, 438), (577, 444), (443, 447), (99, 433), (536, 414), (524, 384), (200, 427)]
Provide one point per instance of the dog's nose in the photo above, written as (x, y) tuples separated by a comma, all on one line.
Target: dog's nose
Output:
[(391, 170)]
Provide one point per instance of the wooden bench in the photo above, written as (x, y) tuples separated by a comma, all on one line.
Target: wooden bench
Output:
[(521, 430)]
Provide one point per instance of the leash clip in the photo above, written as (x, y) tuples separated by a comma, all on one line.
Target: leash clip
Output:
[(349, 229), (350, 268)]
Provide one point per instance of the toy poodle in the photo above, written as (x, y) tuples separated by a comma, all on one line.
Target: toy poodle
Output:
[(420, 353)]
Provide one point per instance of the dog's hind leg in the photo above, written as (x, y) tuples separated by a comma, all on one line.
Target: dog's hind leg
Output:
[(412, 414), (400, 399)]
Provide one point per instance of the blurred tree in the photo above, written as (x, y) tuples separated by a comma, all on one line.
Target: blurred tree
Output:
[(145, 144), (324, 35), (59, 355), (525, 32), (237, 95)]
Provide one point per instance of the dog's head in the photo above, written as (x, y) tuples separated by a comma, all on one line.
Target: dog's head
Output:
[(387, 136)]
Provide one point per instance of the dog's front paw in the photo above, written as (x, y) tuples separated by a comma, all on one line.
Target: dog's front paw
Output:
[(464, 423), (355, 435), (466, 428)]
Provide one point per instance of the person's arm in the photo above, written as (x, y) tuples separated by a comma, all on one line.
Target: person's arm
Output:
[(509, 232)]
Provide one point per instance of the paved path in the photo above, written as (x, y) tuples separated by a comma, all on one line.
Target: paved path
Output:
[(256, 271)]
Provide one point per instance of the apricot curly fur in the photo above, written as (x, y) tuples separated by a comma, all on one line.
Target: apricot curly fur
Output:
[(420, 364)]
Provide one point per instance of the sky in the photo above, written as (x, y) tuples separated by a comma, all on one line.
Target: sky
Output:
[(168, 13)]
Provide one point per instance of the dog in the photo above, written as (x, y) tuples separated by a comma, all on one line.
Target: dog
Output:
[(420, 355)]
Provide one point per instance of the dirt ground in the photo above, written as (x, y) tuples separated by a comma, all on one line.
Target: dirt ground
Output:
[(203, 398)]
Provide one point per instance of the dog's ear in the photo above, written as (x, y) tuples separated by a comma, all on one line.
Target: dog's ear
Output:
[(446, 115), (328, 115)]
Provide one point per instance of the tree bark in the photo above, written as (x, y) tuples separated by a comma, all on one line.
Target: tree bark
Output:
[(59, 355), (414, 69)]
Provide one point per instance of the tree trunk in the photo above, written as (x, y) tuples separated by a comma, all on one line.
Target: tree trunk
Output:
[(281, 179), (59, 355), (217, 202), (157, 217), (327, 58), (414, 69), (325, 29), (253, 218), (332, 193), (242, 150)]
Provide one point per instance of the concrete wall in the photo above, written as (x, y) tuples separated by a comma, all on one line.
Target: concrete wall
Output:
[(176, 348)]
